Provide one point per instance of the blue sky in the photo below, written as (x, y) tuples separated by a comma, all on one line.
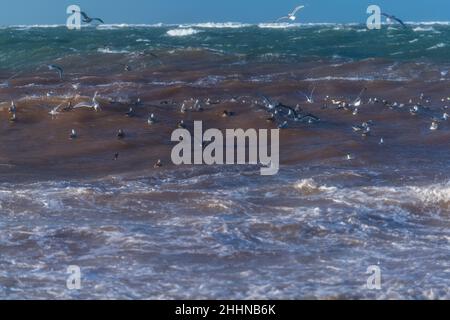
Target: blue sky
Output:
[(187, 11)]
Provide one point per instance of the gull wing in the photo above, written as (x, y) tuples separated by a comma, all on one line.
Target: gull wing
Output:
[(98, 19), (85, 16), (267, 100), (394, 18), (282, 18), (297, 9), (82, 105)]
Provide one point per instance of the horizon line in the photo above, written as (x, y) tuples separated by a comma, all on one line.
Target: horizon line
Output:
[(223, 23)]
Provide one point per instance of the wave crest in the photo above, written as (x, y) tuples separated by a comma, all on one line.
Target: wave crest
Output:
[(183, 32)]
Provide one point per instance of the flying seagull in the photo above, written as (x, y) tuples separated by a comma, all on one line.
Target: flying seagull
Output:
[(291, 16), (56, 68), (358, 100), (5, 84), (55, 111), (87, 19), (391, 17), (95, 104), (268, 103), (310, 97)]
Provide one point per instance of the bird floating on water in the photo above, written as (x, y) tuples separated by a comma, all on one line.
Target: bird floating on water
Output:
[(271, 118), (226, 114), (130, 112), (151, 119), (158, 164), (12, 108), (414, 110), (120, 134), (434, 125), (181, 125)]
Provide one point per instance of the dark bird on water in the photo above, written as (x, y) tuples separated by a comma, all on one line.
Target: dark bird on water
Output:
[(130, 113), (158, 164), (120, 134), (12, 108), (181, 125), (73, 134), (227, 113)]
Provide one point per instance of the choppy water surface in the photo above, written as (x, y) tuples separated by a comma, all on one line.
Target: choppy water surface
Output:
[(225, 231)]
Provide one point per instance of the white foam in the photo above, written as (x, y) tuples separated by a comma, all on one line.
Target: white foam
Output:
[(310, 186), (330, 78), (126, 25), (108, 50), (278, 25), (24, 26), (218, 25), (425, 29), (181, 32), (439, 45)]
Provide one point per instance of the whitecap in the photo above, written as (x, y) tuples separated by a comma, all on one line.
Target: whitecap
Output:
[(182, 32), (108, 50), (425, 29), (218, 25), (439, 45), (278, 25)]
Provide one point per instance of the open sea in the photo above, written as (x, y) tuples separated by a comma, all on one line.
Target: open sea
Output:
[(341, 202)]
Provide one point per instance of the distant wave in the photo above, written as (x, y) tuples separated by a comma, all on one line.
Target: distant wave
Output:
[(427, 29), (108, 50), (430, 23), (27, 27), (271, 25), (278, 25), (126, 25), (330, 78), (218, 25), (182, 32)]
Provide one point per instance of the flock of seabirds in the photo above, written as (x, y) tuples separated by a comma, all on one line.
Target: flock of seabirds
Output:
[(280, 114)]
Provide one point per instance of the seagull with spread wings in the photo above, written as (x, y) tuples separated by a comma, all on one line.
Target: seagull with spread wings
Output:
[(390, 17), (292, 16), (87, 19), (95, 104)]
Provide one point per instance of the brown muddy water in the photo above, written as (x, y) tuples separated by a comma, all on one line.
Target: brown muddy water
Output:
[(341, 202)]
